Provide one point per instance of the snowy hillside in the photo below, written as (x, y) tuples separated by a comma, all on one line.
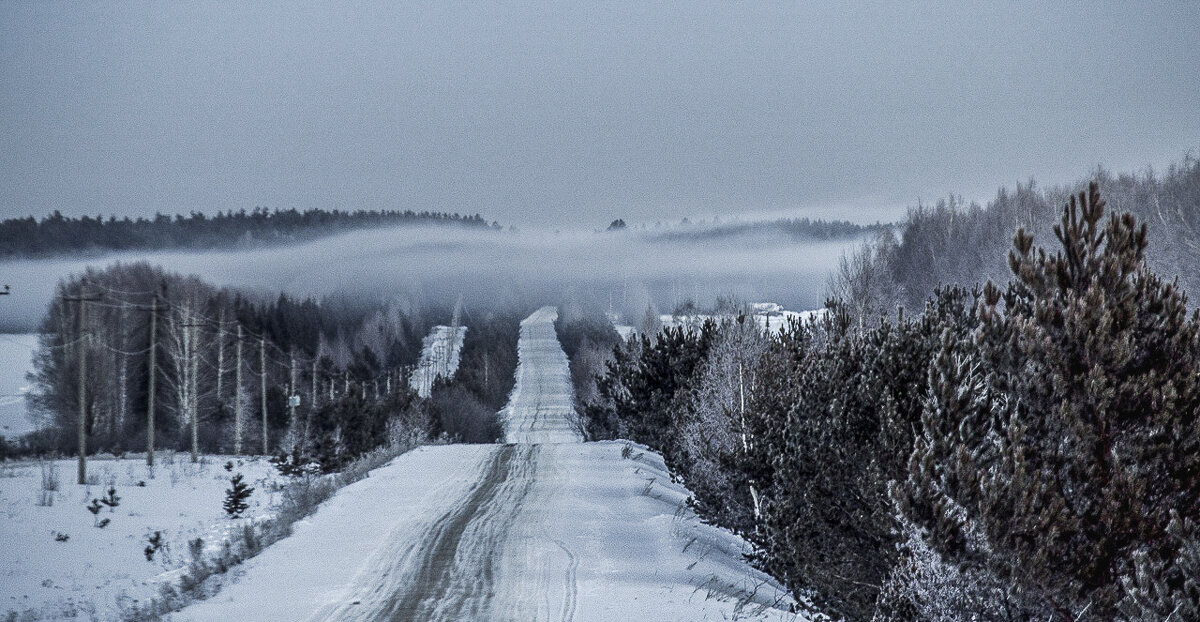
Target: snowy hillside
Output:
[(770, 316)]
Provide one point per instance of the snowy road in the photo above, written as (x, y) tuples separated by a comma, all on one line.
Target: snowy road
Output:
[(542, 528), (541, 408), (441, 351)]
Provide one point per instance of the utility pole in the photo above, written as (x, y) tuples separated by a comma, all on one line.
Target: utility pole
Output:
[(262, 383), (118, 422), (314, 385), (81, 331), (293, 399), (194, 370), (312, 406), (220, 351), (237, 404), (150, 397)]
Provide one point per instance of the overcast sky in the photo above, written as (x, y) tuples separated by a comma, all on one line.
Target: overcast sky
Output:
[(581, 112)]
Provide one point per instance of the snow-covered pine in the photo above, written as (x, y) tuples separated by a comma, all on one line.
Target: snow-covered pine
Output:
[(1066, 432)]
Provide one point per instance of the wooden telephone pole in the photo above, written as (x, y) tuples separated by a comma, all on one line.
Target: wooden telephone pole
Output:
[(153, 377), (262, 383), (81, 331), (237, 404), (293, 400)]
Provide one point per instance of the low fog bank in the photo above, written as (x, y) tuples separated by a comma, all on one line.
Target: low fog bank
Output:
[(624, 270)]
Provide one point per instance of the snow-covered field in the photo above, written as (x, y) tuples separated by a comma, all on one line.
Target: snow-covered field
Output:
[(95, 572), (523, 531), (770, 317), (441, 351), (15, 352)]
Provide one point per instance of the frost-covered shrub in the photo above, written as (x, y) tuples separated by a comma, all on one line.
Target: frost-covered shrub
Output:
[(711, 426), (924, 586)]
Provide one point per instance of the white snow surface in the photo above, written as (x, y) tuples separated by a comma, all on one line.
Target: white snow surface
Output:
[(546, 530), (96, 570), (441, 351), (16, 351), (509, 532), (770, 317), (541, 408)]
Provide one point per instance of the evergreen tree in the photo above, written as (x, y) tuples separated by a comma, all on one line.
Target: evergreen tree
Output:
[(638, 392), (236, 495), (1060, 447), (829, 531)]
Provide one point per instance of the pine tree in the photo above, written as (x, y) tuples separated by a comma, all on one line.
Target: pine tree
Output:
[(236, 495), (1060, 445), (94, 507), (829, 530), (111, 499)]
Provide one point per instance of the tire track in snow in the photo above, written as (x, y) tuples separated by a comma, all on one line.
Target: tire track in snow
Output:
[(474, 587), (570, 587), (427, 589), (450, 571)]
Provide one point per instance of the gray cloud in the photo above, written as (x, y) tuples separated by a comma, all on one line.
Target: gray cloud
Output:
[(580, 112)]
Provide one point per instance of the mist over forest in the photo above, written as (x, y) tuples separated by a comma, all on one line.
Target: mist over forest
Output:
[(782, 311), (628, 269)]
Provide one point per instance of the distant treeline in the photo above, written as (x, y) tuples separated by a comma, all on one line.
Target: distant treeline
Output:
[(950, 243), (798, 228), (57, 234), (345, 363)]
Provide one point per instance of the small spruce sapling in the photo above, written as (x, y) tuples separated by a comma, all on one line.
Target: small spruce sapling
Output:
[(156, 543), (236, 495), (111, 500), (291, 466), (94, 508), (196, 550)]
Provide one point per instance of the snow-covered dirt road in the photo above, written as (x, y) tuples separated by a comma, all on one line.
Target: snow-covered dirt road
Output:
[(542, 528), (441, 351)]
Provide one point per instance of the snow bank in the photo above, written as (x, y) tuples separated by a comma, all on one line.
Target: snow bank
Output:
[(318, 563)]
